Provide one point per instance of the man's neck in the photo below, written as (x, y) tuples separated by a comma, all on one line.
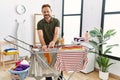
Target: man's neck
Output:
[(48, 19)]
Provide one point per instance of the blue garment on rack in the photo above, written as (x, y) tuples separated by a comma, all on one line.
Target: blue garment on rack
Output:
[(9, 49)]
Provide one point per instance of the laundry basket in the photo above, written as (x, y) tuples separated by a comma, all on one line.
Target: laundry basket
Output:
[(18, 75)]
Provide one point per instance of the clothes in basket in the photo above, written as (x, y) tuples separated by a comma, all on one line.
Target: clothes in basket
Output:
[(19, 71), (18, 75)]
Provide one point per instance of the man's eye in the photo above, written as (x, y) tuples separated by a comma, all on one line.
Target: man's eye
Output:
[(46, 12)]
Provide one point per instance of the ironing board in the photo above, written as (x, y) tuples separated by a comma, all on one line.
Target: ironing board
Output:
[(78, 59)]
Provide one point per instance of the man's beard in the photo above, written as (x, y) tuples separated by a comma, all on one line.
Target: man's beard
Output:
[(47, 16)]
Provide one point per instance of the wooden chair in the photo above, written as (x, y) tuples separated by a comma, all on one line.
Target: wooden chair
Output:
[(5, 45)]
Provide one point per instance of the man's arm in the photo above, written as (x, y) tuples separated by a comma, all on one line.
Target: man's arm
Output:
[(40, 35), (56, 34), (55, 38)]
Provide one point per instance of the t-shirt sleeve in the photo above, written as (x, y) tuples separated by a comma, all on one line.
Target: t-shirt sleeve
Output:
[(57, 23), (39, 25)]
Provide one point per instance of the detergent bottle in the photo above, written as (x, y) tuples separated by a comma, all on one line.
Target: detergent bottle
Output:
[(86, 36)]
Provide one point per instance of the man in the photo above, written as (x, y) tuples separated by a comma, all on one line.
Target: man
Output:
[(48, 32), (48, 28)]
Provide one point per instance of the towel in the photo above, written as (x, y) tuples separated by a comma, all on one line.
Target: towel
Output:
[(47, 56)]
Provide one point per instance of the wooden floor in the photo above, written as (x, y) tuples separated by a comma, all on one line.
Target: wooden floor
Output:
[(5, 75)]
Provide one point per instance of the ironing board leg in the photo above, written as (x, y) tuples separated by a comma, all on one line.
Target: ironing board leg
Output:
[(61, 76)]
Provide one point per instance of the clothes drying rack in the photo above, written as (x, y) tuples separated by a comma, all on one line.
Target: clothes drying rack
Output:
[(52, 50)]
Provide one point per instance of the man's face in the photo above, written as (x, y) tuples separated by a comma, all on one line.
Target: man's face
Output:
[(46, 11)]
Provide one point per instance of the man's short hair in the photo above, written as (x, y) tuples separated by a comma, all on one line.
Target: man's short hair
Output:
[(46, 5)]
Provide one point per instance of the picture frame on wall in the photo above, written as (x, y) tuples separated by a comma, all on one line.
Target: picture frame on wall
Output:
[(37, 18)]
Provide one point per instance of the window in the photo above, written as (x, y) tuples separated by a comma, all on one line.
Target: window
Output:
[(111, 20), (71, 25)]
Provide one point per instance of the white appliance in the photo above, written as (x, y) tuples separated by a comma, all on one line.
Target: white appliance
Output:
[(91, 59), (91, 63)]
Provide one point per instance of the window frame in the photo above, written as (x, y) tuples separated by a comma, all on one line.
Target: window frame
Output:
[(63, 15), (102, 24)]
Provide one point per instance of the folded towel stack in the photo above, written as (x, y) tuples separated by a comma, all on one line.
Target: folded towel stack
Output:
[(10, 51)]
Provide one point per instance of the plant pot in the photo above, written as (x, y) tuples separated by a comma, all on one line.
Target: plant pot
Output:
[(103, 75)]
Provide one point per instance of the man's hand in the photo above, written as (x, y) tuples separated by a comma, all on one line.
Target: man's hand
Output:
[(51, 44), (44, 48)]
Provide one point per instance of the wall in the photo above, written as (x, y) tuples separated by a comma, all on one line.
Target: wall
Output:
[(91, 14), (115, 67)]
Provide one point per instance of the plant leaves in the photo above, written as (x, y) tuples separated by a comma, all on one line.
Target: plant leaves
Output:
[(107, 50), (101, 39), (109, 33)]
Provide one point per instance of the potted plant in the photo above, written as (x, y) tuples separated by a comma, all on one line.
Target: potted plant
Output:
[(101, 48)]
